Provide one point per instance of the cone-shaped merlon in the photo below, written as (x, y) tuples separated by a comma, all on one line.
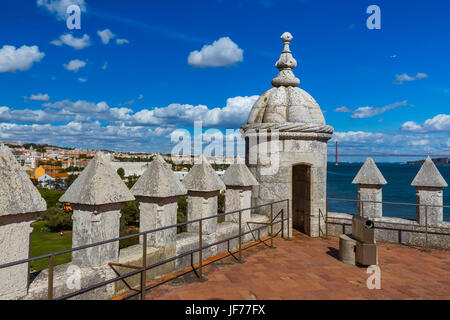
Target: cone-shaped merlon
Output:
[(202, 177), (17, 192), (97, 184), (429, 176), (239, 175), (158, 181), (369, 174)]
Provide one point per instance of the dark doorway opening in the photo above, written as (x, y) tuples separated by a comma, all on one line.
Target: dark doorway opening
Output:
[(301, 196)]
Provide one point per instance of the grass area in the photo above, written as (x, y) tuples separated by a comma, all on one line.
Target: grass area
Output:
[(130, 241), (43, 241)]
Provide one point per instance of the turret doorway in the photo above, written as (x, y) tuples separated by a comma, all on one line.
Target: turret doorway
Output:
[(301, 196)]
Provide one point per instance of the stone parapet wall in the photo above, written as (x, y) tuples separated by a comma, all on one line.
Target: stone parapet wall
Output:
[(396, 230)]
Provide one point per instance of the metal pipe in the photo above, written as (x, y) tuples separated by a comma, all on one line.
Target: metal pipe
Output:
[(271, 225), (51, 262), (326, 218), (144, 266), (200, 253), (240, 236)]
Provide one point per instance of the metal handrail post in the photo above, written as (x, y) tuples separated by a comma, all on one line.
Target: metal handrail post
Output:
[(271, 225), (200, 253), (240, 236), (426, 249), (144, 266), (326, 218), (282, 223), (289, 232), (51, 262)]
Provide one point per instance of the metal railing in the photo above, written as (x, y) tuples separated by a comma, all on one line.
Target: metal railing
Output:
[(144, 267), (361, 203)]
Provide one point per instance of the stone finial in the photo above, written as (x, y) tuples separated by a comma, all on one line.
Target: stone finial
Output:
[(369, 174), (429, 176), (239, 175), (97, 184), (202, 177), (18, 194), (286, 64), (158, 181)]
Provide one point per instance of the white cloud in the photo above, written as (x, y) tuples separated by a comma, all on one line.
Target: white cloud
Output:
[(439, 123), (20, 59), (71, 41), (368, 112), (223, 52), (401, 78), (105, 66), (363, 142), (105, 35), (343, 109), (122, 41), (141, 96), (82, 80), (59, 7), (74, 65), (38, 97), (234, 114)]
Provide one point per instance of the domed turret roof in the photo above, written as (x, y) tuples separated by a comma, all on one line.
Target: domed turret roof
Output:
[(285, 102)]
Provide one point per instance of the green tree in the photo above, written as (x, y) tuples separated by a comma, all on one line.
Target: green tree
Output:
[(121, 172), (57, 219), (130, 215), (70, 179), (181, 213)]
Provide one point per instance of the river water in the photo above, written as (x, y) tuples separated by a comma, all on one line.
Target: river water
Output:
[(397, 189)]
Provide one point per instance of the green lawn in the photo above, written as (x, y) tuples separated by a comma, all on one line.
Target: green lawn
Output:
[(43, 241)]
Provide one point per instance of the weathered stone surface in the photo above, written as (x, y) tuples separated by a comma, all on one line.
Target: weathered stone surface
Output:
[(202, 177), (371, 197), (19, 203), (133, 256), (202, 205), (347, 247), (14, 245), (238, 199), (94, 224), (97, 184), (156, 214), (429, 176), (158, 181), (63, 282), (429, 210), (18, 194), (369, 174), (238, 174)]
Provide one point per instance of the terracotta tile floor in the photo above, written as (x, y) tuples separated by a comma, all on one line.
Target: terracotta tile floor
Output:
[(307, 268)]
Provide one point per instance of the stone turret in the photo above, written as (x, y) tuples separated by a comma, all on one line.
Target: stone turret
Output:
[(158, 191), (286, 147), (20, 203), (370, 183), (429, 185), (97, 196), (239, 182), (203, 185)]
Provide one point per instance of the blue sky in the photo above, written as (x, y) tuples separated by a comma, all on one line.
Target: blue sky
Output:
[(152, 74)]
